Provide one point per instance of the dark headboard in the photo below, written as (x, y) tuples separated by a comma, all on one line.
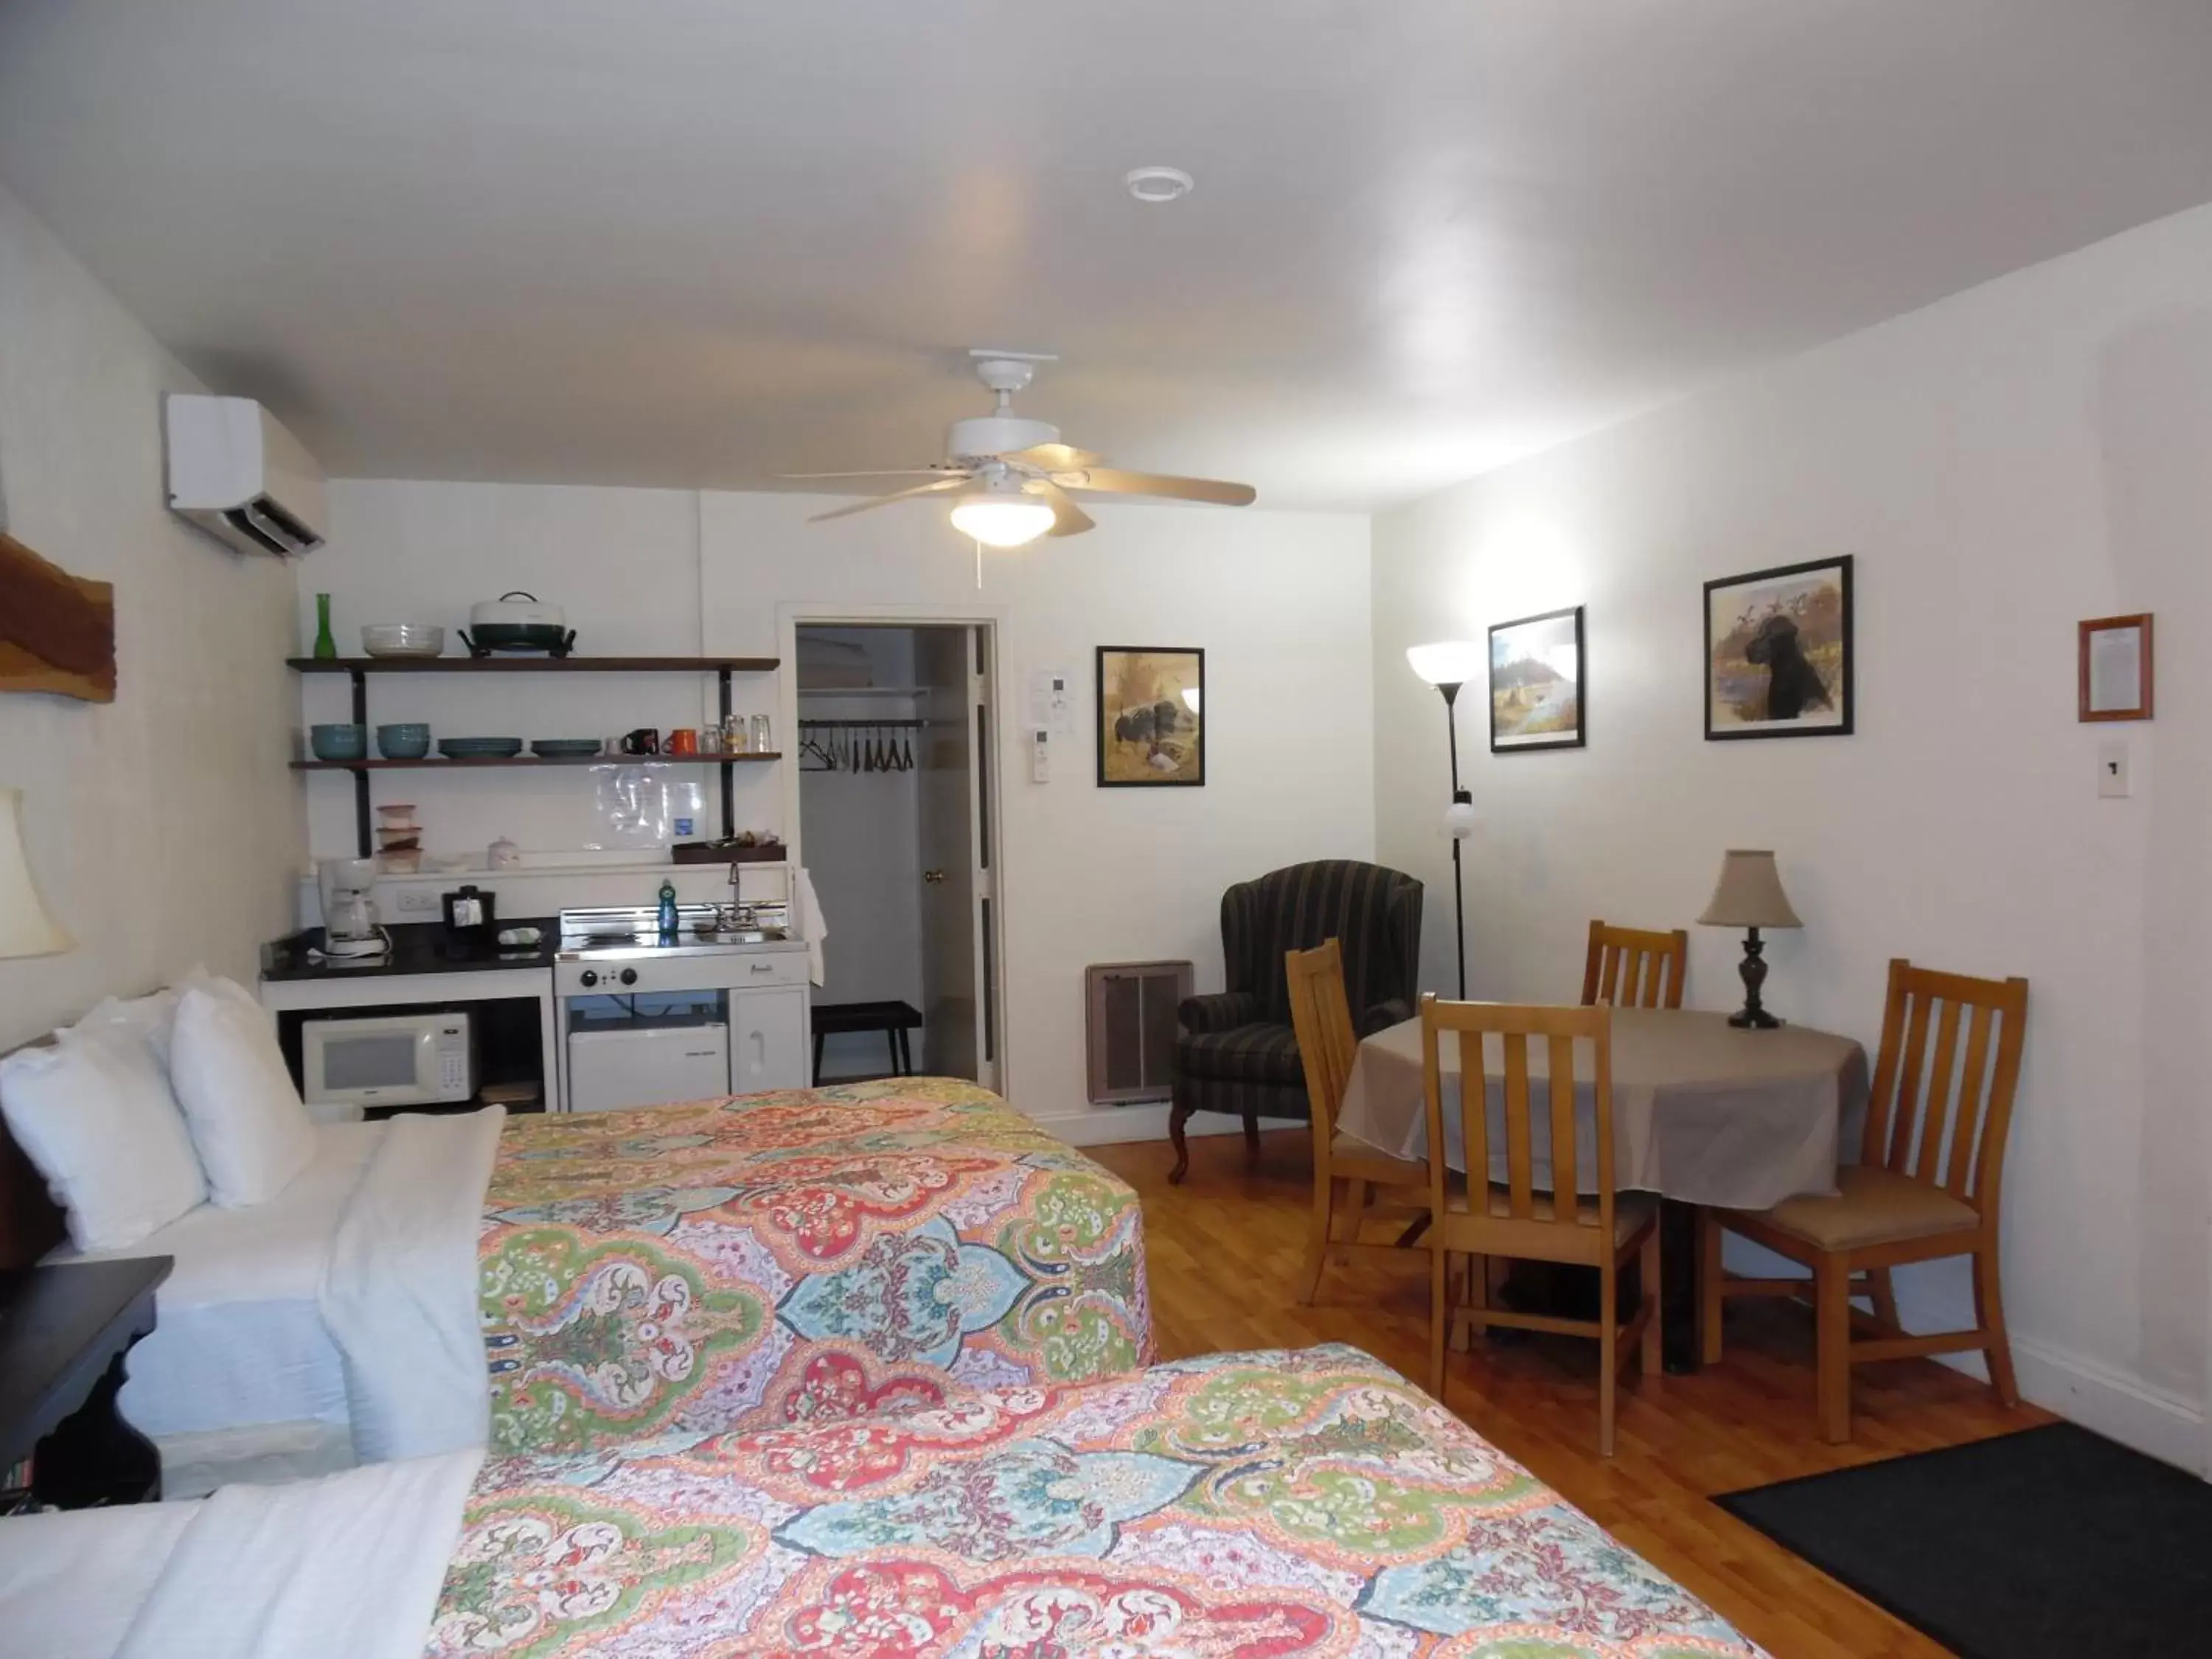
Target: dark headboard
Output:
[(31, 1222)]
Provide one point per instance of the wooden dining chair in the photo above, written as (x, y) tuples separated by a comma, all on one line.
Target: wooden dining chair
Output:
[(1629, 968), (1377, 1187), (1927, 1184), (1514, 1220)]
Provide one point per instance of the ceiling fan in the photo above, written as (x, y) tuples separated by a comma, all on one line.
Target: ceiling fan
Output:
[(1012, 475)]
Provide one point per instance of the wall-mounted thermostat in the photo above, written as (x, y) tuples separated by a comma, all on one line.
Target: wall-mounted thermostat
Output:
[(1040, 754)]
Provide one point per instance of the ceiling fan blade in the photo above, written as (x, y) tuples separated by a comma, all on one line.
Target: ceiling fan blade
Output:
[(888, 473), (1067, 518), (1053, 458), (953, 483), (1118, 482)]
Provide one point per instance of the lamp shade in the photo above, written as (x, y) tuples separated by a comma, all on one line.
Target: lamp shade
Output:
[(1749, 894), (26, 929), (1447, 662)]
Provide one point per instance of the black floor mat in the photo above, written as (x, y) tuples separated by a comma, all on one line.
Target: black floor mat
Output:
[(2053, 1543)]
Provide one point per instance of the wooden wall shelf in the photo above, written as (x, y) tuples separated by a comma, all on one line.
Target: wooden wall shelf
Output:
[(534, 665), (360, 668), (439, 764)]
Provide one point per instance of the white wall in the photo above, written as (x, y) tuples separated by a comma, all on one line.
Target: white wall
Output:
[(1278, 600), (162, 826), (2003, 465)]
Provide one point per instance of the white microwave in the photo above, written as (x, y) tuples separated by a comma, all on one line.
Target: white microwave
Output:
[(387, 1060)]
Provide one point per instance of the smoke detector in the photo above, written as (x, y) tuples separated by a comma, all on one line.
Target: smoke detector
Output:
[(1159, 183)]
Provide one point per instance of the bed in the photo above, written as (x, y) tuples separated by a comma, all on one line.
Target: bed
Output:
[(680, 1270), (1309, 1503)]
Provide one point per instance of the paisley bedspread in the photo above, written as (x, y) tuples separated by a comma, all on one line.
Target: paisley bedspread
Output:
[(785, 1258), (1311, 1502)]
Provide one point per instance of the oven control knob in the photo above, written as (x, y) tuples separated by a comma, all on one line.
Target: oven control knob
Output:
[(629, 976), (589, 976)]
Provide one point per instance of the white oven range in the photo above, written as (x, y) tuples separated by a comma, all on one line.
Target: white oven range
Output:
[(720, 1006)]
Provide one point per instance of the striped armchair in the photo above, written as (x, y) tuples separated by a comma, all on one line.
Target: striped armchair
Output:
[(1236, 1052)]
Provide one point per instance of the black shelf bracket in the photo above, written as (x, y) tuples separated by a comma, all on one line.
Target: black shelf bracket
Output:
[(360, 779)]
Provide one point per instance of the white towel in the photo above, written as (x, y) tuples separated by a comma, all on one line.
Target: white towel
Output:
[(811, 926)]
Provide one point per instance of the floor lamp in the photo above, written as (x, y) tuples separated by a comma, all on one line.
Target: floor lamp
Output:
[(1448, 665)]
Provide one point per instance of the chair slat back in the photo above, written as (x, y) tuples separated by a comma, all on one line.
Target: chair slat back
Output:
[(1467, 1025), (1629, 968), (1931, 1117), (1321, 1016)]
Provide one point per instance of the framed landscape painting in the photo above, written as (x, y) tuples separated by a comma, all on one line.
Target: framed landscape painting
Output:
[(1537, 681), (1152, 716), (1779, 652)]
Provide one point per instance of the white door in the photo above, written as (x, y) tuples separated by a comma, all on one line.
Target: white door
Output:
[(958, 1039), (768, 1040), (655, 1066)]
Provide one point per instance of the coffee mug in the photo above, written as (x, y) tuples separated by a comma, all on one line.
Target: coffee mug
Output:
[(684, 740), (643, 741)]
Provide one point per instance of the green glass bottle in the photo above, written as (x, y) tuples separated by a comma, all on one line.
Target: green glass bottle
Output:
[(325, 645)]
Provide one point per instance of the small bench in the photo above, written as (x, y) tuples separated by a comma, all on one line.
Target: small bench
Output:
[(893, 1019)]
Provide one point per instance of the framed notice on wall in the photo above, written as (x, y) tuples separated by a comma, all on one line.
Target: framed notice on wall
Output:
[(2114, 670)]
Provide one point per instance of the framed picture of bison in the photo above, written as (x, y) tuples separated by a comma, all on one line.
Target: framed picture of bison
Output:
[(1779, 652), (1152, 716), (1537, 681)]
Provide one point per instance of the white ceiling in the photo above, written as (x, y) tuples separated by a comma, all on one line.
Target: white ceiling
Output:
[(698, 242)]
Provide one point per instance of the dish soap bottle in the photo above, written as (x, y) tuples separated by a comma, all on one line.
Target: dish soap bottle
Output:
[(668, 911)]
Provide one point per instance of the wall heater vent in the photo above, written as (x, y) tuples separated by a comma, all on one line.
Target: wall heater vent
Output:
[(1129, 1028)]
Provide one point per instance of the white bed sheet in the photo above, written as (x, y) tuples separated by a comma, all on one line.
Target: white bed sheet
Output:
[(346, 1567), (71, 1581), (240, 1345)]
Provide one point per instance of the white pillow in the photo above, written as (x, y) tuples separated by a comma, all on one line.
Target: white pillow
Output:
[(150, 1019), (94, 1112), (253, 1134)]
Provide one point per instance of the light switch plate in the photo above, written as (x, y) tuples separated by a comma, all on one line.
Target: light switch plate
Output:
[(2112, 769)]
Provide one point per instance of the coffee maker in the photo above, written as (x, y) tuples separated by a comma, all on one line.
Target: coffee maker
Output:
[(351, 931)]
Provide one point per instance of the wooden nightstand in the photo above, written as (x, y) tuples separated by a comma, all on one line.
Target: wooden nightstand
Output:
[(64, 1333)]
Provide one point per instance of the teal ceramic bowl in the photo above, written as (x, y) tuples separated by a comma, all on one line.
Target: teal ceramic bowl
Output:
[(410, 741), (339, 742)]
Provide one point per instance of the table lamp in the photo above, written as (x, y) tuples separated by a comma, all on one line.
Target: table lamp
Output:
[(1749, 895), (26, 929), (1448, 665)]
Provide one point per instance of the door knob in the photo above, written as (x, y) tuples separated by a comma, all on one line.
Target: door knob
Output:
[(932, 876)]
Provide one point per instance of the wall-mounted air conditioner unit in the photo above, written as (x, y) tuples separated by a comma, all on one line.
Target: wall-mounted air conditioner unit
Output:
[(238, 475), (1129, 1028)]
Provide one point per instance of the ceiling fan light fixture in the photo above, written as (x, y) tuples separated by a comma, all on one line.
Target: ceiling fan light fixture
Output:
[(1001, 516)]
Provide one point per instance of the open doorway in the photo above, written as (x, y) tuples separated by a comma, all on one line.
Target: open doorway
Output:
[(895, 826)]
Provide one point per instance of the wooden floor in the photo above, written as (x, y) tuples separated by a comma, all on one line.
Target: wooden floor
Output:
[(1223, 1246)]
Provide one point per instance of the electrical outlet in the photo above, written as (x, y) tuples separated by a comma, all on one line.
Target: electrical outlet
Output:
[(415, 900), (2112, 769)]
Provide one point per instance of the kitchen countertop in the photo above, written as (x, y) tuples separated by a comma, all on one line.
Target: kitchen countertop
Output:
[(417, 947)]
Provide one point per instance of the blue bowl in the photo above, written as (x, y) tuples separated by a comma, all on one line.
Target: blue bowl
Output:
[(410, 740), (339, 742)]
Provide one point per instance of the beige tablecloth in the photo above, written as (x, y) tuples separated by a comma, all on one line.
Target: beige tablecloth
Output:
[(1701, 1111)]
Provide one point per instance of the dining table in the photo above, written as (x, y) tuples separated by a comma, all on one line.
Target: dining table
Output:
[(1704, 1112)]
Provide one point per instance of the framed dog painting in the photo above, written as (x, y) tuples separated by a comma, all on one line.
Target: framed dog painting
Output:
[(1779, 652), (1152, 716)]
